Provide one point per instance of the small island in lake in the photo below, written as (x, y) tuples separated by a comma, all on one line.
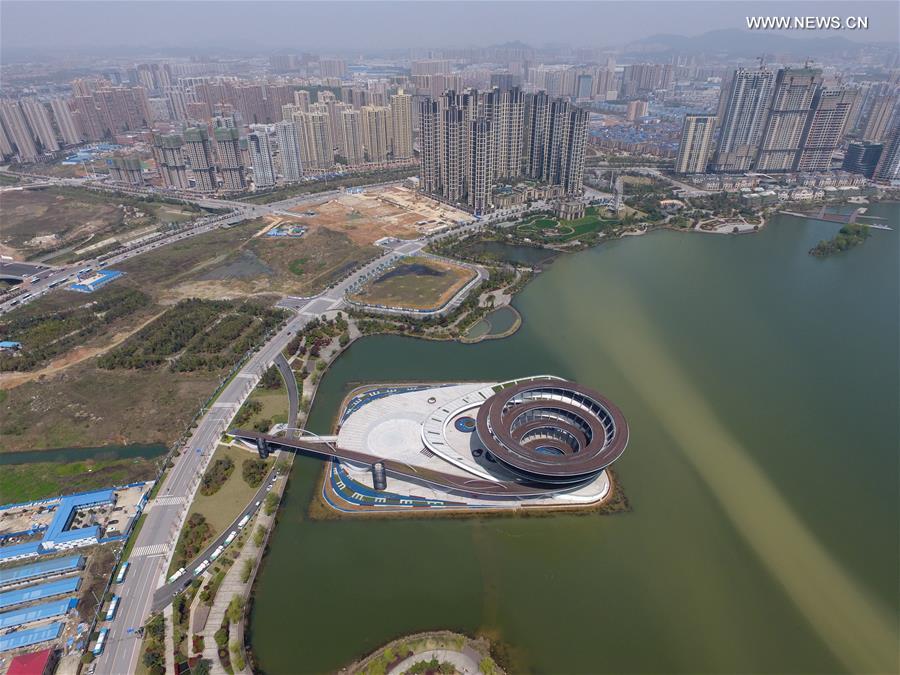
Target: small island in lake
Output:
[(850, 235)]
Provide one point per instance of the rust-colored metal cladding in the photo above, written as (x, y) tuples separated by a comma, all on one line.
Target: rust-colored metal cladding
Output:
[(552, 431)]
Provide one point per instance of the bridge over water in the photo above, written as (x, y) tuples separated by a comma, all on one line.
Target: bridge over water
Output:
[(843, 218)]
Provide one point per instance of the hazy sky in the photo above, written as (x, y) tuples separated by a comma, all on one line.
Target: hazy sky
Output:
[(341, 25)]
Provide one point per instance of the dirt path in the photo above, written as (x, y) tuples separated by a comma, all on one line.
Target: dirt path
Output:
[(77, 355)]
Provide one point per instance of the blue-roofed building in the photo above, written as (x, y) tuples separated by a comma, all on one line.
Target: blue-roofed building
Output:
[(20, 551), (15, 575), (39, 592), (26, 638), (46, 610), (10, 345), (58, 535)]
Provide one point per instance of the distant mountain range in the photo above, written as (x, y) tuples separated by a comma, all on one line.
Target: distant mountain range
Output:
[(745, 43)]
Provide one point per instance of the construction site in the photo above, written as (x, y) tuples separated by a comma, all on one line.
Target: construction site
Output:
[(56, 559), (372, 214)]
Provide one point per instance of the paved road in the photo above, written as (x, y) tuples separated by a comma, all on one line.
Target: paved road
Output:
[(290, 382), (241, 211), (156, 541), (164, 594)]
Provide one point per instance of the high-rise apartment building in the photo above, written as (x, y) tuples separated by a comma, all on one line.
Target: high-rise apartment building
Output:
[(351, 145), (888, 169), (178, 101), (231, 162), (6, 148), (401, 126), (566, 143), (452, 139), (302, 100), (480, 165), (744, 106), (332, 68), (637, 109), (289, 150), (168, 150), (316, 148), (789, 113), (430, 144), (535, 133), (505, 110), (65, 122), (261, 158), (200, 155), (17, 131), (880, 115), (696, 143), (376, 132), (126, 169), (87, 118), (38, 117), (462, 133), (825, 128), (431, 66)]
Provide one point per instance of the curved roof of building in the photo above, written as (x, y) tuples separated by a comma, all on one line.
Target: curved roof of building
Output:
[(552, 428)]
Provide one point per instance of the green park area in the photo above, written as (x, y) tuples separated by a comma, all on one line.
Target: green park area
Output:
[(416, 283), (266, 405), (229, 483), (59, 222), (542, 227)]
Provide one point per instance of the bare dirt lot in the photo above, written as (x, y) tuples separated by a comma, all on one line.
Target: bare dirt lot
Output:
[(242, 261), (374, 214), (36, 222)]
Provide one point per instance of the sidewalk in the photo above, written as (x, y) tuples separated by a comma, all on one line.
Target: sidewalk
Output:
[(231, 586), (169, 640)]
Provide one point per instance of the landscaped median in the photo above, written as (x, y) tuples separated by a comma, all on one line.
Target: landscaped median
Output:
[(228, 485)]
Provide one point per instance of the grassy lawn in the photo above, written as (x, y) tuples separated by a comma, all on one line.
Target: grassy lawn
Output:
[(274, 406), (8, 178), (25, 482), (556, 230), (221, 508), (84, 406), (416, 283)]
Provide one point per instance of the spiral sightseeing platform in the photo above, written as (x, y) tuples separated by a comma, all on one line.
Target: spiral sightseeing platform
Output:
[(537, 441)]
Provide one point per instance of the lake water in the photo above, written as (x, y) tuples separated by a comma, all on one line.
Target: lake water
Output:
[(495, 322), (761, 388), (522, 255)]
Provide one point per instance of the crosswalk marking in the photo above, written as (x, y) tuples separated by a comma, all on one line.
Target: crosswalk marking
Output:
[(152, 549), (167, 501)]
